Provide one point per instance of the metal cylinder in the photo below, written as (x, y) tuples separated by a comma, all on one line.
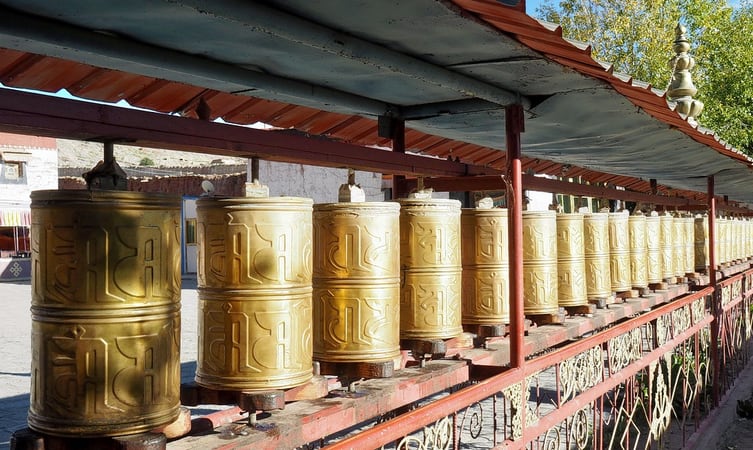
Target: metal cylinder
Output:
[(678, 246), (486, 268), (619, 252), (653, 249), (105, 312), (666, 239), (540, 293), (596, 252), (689, 227), (701, 234), (356, 280), (721, 243), (254, 283), (638, 251), (571, 262), (430, 306)]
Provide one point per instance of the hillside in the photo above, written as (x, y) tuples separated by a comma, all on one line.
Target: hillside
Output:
[(81, 154)]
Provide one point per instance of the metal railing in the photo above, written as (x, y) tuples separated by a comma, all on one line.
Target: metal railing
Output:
[(642, 382)]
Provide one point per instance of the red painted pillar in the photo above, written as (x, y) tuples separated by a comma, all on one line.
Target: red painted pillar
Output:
[(716, 308), (514, 122), (397, 134)]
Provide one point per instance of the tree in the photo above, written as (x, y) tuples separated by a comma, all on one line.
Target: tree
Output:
[(636, 37)]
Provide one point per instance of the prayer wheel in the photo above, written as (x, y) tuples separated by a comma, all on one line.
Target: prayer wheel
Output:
[(571, 262), (689, 225), (638, 250), (105, 312), (678, 246), (666, 239), (721, 244), (254, 283), (701, 233), (653, 249), (430, 306), (356, 281), (619, 252), (540, 283), (596, 252), (486, 268)]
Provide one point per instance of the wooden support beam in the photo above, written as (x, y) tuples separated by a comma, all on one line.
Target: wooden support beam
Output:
[(530, 182), (44, 115)]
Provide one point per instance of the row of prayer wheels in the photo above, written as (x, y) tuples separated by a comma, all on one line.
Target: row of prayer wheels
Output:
[(282, 281)]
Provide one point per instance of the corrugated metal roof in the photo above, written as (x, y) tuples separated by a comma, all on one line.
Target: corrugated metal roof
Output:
[(344, 60)]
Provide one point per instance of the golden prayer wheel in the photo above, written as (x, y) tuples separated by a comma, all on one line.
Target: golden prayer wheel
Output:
[(701, 233), (430, 306), (678, 246), (596, 252), (540, 283), (571, 262), (653, 249), (619, 252), (666, 240), (638, 251), (105, 312), (689, 225), (486, 269), (254, 283), (721, 240), (356, 280)]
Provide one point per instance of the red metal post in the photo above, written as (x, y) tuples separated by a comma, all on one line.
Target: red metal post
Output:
[(398, 146), (513, 128), (715, 297)]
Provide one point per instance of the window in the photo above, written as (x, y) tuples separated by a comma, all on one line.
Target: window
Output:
[(190, 231), (13, 171)]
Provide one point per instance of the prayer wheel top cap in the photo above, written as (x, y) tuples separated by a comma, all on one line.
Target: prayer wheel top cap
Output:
[(250, 202), (450, 203), (123, 198), (539, 213), (359, 206)]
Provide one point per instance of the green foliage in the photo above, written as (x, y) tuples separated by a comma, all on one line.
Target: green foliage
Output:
[(636, 37), (146, 161)]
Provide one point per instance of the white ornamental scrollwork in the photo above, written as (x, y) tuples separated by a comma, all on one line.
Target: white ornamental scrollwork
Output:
[(726, 295), (680, 320), (662, 330), (698, 309), (514, 395), (662, 400), (624, 349), (581, 372), (435, 437), (580, 430)]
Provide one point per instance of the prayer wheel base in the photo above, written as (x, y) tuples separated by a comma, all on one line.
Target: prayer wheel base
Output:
[(581, 310), (361, 369), (193, 394), (662, 286), (555, 318), (27, 439), (599, 302), (483, 331)]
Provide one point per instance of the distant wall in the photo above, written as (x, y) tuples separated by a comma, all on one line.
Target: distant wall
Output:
[(318, 183)]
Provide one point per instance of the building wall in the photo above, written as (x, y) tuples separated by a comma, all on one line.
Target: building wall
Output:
[(40, 172), (318, 183)]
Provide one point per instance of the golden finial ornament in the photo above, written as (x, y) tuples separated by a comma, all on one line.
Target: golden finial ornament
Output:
[(681, 89)]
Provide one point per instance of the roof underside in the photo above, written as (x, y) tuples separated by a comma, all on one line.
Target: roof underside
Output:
[(331, 67)]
